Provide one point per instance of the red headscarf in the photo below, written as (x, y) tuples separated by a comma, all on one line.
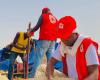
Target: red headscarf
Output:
[(45, 10)]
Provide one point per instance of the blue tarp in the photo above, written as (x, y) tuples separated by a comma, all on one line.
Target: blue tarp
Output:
[(4, 60)]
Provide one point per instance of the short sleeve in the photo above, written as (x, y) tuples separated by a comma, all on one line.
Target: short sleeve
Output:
[(91, 55)]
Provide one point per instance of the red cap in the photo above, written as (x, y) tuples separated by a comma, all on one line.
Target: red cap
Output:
[(66, 25), (44, 10)]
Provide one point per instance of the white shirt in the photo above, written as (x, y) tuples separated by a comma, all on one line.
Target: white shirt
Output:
[(91, 56)]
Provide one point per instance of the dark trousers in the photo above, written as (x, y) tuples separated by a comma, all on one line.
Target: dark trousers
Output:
[(12, 58)]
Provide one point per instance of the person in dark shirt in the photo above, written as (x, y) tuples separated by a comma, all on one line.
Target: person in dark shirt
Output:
[(47, 24)]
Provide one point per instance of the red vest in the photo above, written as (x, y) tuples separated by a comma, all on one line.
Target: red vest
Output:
[(48, 29), (81, 66)]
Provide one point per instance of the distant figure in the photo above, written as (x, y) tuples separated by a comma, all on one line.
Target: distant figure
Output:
[(19, 47), (47, 24), (78, 53)]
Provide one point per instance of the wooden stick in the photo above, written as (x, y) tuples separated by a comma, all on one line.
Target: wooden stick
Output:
[(27, 52)]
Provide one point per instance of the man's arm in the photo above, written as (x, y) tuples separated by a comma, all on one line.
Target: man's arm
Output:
[(92, 63), (38, 24), (50, 68), (93, 72), (16, 39)]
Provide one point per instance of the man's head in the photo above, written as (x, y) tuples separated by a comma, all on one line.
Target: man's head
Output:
[(45, 10), (66, 27), (70, 40)]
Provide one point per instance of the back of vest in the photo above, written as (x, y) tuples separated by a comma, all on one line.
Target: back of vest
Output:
[(21, 43), (48, 29)]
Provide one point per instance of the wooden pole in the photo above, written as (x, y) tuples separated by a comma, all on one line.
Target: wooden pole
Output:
[(27, 52)]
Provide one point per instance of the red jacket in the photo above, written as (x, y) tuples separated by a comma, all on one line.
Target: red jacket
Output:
[(48, 28), (81, 66)]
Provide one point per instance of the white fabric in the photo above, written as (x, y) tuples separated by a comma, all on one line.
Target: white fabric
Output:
[(71, 57), (71, 65), (18, 59), (91, 57), (56, 54)]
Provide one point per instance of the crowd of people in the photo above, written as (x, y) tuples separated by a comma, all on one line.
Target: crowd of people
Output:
[(78, 53)]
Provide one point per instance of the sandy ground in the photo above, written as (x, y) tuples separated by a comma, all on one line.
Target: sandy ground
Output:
[(40, 75)]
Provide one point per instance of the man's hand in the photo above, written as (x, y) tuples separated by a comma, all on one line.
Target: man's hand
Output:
[(23, 48), (93, 72)]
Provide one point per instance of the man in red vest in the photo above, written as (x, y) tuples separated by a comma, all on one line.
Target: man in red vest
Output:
[(79, 54), (47, 24)]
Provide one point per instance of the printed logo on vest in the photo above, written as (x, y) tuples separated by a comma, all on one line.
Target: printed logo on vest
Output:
[(61, 25), (52, 19)]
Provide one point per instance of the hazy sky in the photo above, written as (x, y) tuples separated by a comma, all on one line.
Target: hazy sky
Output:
[(16, 14)]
